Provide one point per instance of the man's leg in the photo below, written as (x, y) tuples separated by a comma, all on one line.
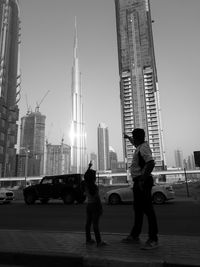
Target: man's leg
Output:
[(138, 211), (151, 216)]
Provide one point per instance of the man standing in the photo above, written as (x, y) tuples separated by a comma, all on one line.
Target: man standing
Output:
[(141, 168)]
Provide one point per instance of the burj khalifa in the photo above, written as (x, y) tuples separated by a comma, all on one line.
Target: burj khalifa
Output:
[(77, 134)]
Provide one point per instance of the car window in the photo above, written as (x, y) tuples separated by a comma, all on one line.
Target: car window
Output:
[(56, 181), (47, 180), (60, 181)]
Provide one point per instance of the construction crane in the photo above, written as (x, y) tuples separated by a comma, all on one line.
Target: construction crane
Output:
[(38, 104)]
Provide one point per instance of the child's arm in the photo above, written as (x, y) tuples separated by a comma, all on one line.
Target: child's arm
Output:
[(89, 166)]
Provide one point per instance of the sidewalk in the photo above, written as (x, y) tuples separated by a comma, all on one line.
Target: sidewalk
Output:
[(34, 248)]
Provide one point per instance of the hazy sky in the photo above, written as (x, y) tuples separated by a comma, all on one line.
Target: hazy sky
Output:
[(47, 35)]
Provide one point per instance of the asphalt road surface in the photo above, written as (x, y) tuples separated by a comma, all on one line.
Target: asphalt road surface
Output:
[(175, 217)]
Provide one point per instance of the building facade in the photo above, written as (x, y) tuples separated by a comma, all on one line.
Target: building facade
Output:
[(139, 94), (78, 135), (103, 147), (9, 85), (58, 159), (32, 139)]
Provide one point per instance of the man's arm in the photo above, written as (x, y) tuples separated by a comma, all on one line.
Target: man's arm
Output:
[(129, 138), (148, 168)]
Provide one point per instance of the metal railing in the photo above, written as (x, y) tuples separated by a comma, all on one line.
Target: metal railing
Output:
[(109, 178)]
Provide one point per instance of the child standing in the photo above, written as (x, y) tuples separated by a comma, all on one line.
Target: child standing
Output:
[(94, 208)]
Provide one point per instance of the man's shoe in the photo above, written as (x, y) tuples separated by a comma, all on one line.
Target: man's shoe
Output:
[(131, 239), (102, 244), (90, 242), (150, 244)]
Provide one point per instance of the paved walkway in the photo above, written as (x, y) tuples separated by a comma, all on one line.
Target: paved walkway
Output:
[(35, 248)]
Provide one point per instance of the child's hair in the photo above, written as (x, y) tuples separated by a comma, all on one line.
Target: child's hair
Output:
[(90, 178)]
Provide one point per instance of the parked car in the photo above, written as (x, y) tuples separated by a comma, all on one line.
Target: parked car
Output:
[(67, 187), (6, 196), (160, 194)]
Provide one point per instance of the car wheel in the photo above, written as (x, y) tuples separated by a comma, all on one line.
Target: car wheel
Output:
[(114, 199), (29, 199), (159, 198), (44, 200), (68, 198)]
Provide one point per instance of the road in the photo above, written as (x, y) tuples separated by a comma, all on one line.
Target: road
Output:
[(177, 217)]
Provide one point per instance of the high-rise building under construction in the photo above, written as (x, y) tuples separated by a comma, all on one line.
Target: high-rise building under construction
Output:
[(58, 159), (139, 94), (32, 140), (9, 84)]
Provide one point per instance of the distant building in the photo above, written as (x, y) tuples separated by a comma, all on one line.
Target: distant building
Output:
[(9, 85), (190, 165), (121, 166), (103, 147), (196, 155), (139, 93), (32, 138), (58, 159), (191, 162), (178, 155), (113, 159), (93, 158)]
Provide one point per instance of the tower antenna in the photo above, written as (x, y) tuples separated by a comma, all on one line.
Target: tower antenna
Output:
[(27, 106)]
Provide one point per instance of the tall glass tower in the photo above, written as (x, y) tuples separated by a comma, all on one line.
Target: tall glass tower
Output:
[(139, 94), (9, 84), (103, 147), (78, 135)]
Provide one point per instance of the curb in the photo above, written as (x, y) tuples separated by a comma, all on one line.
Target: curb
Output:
[(58, 249), (35, 260), (73, 260), (98, 262), (69, 260)]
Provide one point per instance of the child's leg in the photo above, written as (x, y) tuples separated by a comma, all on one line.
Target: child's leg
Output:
[(95, 221), (88, 224)]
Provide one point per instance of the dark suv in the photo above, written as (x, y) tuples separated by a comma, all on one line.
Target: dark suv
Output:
[(67, 187)]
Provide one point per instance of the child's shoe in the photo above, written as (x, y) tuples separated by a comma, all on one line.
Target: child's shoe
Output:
[(150, 244), (90, 242), (102, 244)]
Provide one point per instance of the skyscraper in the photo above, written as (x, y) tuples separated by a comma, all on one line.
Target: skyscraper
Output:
[(103, 147), (9, 84), (32, 138), (178, 155), (139, 92), (78, 135)]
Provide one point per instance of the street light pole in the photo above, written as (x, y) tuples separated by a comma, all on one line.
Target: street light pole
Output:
[(186, 182), (26, 166), (26, 150)]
